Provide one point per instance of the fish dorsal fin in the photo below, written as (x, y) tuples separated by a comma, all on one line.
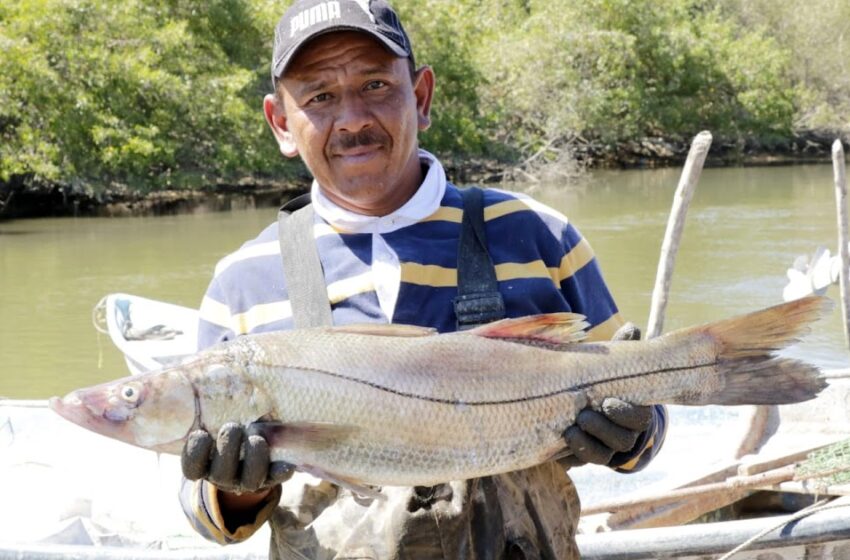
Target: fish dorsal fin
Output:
[(548, 328), (385, 330)]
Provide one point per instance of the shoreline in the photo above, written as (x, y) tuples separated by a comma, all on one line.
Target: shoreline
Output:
[(20, 202)]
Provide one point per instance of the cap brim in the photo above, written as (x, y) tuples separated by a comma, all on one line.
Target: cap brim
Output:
[(392, 46)]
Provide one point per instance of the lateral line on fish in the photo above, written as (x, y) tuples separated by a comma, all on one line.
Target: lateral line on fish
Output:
[(571, 389)]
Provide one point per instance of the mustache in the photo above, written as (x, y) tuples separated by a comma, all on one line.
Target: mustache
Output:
[(366, 137)]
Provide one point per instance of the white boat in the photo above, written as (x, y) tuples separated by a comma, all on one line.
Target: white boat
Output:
[(70, 493), (151, 334)]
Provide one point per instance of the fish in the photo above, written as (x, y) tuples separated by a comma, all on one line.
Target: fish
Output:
[(400, 405)]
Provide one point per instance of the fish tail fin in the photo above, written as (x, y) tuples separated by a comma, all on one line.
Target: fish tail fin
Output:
[(746, 359)]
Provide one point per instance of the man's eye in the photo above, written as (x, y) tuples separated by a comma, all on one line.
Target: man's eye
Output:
[(377, 84), (321, 98)]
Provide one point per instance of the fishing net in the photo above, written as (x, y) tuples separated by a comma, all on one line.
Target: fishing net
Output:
[(828, 466)]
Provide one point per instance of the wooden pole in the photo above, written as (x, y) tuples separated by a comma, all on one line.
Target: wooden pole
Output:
[(730, 485), (840, 172), (675, 225)]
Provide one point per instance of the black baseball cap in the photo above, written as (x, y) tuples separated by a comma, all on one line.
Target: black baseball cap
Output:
[(307, 19)]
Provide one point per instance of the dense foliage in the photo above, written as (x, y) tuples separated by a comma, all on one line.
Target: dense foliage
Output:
[(817, 34), (165, 93), (147, 92)]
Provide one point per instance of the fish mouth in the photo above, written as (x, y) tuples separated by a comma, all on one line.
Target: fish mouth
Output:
[(89, 413), (68, 407)]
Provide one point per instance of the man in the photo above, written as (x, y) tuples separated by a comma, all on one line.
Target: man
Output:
[(395, 243)]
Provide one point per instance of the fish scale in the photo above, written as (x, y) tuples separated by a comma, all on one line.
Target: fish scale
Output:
[(415, 439)]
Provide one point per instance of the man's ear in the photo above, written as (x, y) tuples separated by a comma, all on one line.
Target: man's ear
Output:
[(423, 89), (275, 116)]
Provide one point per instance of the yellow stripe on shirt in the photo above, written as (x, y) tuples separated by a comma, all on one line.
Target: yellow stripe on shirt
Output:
[(504, 208), (262, 314), (533, 269), (521, 204), (344, 289), (428, 275), (446, 214), (606, 329), (215, 312), (575, 260)]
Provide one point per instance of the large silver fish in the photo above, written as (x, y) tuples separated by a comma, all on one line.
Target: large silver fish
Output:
[(400, 405)]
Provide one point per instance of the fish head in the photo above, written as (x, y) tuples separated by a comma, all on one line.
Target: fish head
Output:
[(155, 410)]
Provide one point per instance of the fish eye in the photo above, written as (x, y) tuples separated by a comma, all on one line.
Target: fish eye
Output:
[(131, 393)]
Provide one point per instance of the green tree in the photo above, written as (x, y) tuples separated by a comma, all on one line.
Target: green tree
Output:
[(439, 32), (817, 32), (150, 94), (616, 69)]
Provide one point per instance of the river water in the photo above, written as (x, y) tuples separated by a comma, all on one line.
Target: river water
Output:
[(744, 229)]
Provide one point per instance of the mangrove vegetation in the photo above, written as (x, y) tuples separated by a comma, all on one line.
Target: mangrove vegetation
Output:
[(147, 95)]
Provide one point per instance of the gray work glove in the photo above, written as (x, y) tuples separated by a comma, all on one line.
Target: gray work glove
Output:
[(218, 461), (599, 436)]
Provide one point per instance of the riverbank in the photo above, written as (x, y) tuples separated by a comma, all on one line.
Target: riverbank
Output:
[(52, 200), (19, 199), (806, 146)]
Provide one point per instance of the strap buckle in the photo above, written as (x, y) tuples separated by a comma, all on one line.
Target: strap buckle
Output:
[(477, 309)]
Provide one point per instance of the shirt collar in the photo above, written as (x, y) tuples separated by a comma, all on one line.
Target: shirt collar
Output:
[(424, 202)]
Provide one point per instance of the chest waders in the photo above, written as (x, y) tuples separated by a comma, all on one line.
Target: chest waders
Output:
[(500, 517)]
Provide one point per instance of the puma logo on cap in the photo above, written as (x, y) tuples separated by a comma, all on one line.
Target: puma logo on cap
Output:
[(320, 13)]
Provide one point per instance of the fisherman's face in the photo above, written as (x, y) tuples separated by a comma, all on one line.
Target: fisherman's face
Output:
[(352, 111)]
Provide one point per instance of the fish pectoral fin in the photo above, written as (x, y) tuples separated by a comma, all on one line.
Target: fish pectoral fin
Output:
[(549, 328), (386, 330), (352, 485), (314, 436), (304, 435)]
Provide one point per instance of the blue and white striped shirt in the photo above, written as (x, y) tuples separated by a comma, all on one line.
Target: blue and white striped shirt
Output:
[(402, 268)]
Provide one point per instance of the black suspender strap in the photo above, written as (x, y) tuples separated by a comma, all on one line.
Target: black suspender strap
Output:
[(478, 300), (305, 280)]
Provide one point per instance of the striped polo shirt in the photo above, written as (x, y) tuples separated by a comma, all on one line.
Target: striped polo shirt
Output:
[(402, 268)]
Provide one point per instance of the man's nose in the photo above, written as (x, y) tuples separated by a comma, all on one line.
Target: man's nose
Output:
[(354, 113)]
